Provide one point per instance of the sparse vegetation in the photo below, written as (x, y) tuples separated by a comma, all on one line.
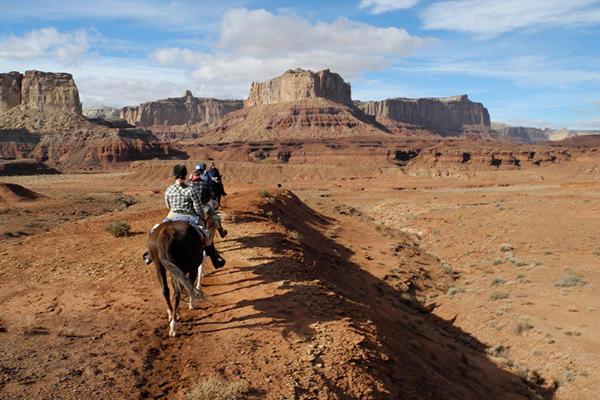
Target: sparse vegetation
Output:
[(295, 235), (522, 325), (496, 295), (65, 331), (117, 228), (26, 326), (263, 193), (497, 281), (216, 389), (498, 351), (506, 247), (455, 289), (570, 279)]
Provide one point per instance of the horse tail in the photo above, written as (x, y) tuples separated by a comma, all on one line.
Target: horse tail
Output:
[(178, 277)]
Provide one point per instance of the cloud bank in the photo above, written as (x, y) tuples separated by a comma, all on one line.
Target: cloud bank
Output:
[(257, 44), (489, 18), (67, 48)]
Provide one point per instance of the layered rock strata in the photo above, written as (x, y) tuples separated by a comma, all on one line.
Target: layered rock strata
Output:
[(299, 84), (444, 115), (186, 110), (39, 91)]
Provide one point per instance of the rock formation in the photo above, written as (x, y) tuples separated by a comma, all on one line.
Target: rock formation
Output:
[(42, 119), (299, 84), (187, 110), (39, 91), (10, 91), (104, 112), (446, 116)]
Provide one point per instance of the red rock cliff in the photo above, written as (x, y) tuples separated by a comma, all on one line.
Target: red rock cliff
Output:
[(299, 84), (186, 110)]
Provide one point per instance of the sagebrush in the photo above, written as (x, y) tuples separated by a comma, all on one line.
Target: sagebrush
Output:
[(118, 228)]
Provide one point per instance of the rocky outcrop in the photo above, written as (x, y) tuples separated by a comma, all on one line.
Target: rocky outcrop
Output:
[(103, 112), (447, 116), (10, 91), (299, 84), (313, 118), (39, 91), (187, 110), (521, 134)]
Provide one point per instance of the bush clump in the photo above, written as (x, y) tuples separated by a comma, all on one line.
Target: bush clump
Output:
[(117, 228), (216, 389), (570, 279)]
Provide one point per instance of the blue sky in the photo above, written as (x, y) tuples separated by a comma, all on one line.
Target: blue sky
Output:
[(530, 62)]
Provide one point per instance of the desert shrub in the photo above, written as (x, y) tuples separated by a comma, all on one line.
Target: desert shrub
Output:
[(263, 193), (570, 279), (497, 281), (295, 235), (26, 326), (498, 351), (117, 228), (522, 325), (498, 261), (447, 268), (496, 295), (65, 331), (455, 289), (216, 389), (506, 247)]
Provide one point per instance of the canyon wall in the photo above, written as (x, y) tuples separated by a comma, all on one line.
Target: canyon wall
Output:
[(448, 113), (186, 110), (299, 84), (39, 91)]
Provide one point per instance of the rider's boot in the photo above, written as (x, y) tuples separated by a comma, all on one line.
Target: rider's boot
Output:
[(216, 259)]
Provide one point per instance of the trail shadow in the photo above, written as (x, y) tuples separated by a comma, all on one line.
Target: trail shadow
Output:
[(411, 352)]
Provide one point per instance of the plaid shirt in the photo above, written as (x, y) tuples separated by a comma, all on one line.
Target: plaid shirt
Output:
[(202, 189), (183, 200)]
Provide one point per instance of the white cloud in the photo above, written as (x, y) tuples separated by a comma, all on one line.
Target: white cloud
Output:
[(383, 6), (256, 45), (493, 17), (67, 48), (178, 15), (538, 71)]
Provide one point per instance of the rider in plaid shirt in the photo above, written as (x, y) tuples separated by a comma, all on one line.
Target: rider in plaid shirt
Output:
[(183, 201)]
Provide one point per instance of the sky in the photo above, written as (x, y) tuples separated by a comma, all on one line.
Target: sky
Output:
[(532, 63)]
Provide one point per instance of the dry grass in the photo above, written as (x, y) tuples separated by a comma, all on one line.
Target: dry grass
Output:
[(26, 326), (570, 279), (117, 228), (496, 295), (65, 331), (216, 389)]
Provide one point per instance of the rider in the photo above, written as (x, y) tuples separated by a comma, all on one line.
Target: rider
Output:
[(201, 187), (184, 203)]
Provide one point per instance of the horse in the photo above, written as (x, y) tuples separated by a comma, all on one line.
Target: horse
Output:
[(176, 247)]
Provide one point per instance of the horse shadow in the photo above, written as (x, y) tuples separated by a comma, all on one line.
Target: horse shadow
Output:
[(400, 340)]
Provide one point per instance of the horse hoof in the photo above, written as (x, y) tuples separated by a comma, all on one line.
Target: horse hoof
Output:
[(173, 334)]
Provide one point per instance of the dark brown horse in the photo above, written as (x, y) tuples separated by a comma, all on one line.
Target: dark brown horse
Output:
[(176, 247)]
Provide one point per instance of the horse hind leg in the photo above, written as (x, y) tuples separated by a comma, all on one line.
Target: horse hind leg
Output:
[(175, 316), (201, 271)]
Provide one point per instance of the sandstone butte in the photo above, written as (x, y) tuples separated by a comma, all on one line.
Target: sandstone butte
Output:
[(41, 119), (299, 117)]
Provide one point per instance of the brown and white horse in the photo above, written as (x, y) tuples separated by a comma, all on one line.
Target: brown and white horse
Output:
[(176, 247)]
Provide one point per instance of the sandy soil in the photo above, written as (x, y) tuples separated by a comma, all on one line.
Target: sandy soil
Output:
[(412, 284)]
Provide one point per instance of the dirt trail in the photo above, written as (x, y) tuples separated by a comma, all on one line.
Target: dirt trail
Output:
[(353, 292)]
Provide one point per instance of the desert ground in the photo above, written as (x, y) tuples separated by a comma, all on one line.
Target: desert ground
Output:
[(391, 283)]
